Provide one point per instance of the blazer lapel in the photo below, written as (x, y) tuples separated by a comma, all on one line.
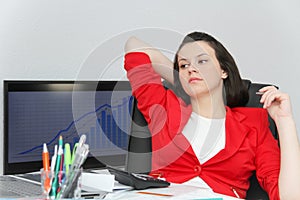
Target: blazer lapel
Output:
[(176, 124), (235, 135)]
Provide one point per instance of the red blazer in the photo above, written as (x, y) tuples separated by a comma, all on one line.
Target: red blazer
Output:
[(249, 146)]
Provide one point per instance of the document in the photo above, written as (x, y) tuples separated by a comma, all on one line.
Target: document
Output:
[(173, 192), (98, 182), (101, 180)]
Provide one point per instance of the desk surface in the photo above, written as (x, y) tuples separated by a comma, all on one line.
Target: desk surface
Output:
[(175, 191)]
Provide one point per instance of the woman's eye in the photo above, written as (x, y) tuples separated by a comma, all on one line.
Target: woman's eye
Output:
[(202, 61), (184, 66)]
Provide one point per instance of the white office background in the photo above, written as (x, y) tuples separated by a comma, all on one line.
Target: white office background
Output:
[(72, 39)]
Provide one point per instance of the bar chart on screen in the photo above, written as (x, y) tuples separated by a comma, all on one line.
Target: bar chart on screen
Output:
[(106, 126)]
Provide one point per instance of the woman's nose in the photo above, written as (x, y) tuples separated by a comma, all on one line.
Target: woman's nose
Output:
[(193, 68)]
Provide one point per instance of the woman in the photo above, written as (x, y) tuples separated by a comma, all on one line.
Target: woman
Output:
[(196, 136)]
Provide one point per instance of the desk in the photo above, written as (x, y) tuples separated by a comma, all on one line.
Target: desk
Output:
[(191, 190), (174, 191)]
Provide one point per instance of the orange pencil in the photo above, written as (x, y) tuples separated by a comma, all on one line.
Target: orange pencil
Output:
[(155, 194), (46, 167)]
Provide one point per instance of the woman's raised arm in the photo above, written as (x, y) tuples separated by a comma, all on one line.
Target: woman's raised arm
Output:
[(161, 64)]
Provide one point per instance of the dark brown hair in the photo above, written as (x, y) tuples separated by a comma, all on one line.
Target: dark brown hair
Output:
[(236, 91)]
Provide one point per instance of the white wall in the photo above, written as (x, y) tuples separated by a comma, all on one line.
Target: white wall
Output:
[(43, 39)]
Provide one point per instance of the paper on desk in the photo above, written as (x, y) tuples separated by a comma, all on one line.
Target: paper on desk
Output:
[(117, 185), (98, 181), (178, 190), (175, 191), (197, 182)]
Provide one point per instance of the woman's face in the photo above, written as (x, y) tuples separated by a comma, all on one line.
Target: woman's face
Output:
[(199, 70)]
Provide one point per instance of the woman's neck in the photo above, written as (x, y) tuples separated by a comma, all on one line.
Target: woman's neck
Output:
[(209, 106)]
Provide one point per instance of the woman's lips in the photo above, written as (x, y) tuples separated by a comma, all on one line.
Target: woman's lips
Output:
[(191, 80)]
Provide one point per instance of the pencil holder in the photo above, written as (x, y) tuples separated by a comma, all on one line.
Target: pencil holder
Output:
[(57, 185), (46, 180)]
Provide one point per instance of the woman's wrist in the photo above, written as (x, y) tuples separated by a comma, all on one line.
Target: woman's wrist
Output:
[(282, 120), (286, 126)]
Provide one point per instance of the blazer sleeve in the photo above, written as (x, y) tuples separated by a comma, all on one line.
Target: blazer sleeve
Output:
[(267, 158), (147, 87)]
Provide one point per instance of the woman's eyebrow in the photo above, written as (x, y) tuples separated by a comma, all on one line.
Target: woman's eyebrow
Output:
[(182, 59), (185, 59), (202, 54)]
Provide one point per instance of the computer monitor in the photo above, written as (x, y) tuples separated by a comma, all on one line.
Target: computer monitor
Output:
[(37, 112)]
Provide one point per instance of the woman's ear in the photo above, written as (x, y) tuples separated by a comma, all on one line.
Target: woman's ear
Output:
[(224, 74)]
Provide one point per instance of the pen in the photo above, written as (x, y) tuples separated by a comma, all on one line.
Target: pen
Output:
[(60, 141), (259, 93), (59, 154), (57, 167), (46, 167), (74, 151), (53, 159), (67, 158), (45, 157), (78, 157), (60, 173), (80, 153), (235, 192)]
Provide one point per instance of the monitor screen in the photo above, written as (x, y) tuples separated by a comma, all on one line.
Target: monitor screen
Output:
[(37, 112)]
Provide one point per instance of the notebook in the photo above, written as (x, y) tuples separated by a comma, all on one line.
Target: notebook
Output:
[(37, 112)]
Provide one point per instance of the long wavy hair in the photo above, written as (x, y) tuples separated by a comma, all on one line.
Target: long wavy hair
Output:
[(236, 92)]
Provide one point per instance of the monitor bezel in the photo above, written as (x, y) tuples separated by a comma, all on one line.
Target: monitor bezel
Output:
[(69, 85)]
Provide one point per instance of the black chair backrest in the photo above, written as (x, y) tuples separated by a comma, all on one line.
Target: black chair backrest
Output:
[(139, 148)]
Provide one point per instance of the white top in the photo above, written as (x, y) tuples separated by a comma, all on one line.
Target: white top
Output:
[(207, 136)]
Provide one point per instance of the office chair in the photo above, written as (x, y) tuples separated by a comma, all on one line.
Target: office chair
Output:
[(139, 148)]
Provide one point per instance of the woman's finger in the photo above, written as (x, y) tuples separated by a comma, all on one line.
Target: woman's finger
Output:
[(266, 91), (270, 96)]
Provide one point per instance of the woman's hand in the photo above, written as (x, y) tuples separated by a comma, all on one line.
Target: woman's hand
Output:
[(276, 102)]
